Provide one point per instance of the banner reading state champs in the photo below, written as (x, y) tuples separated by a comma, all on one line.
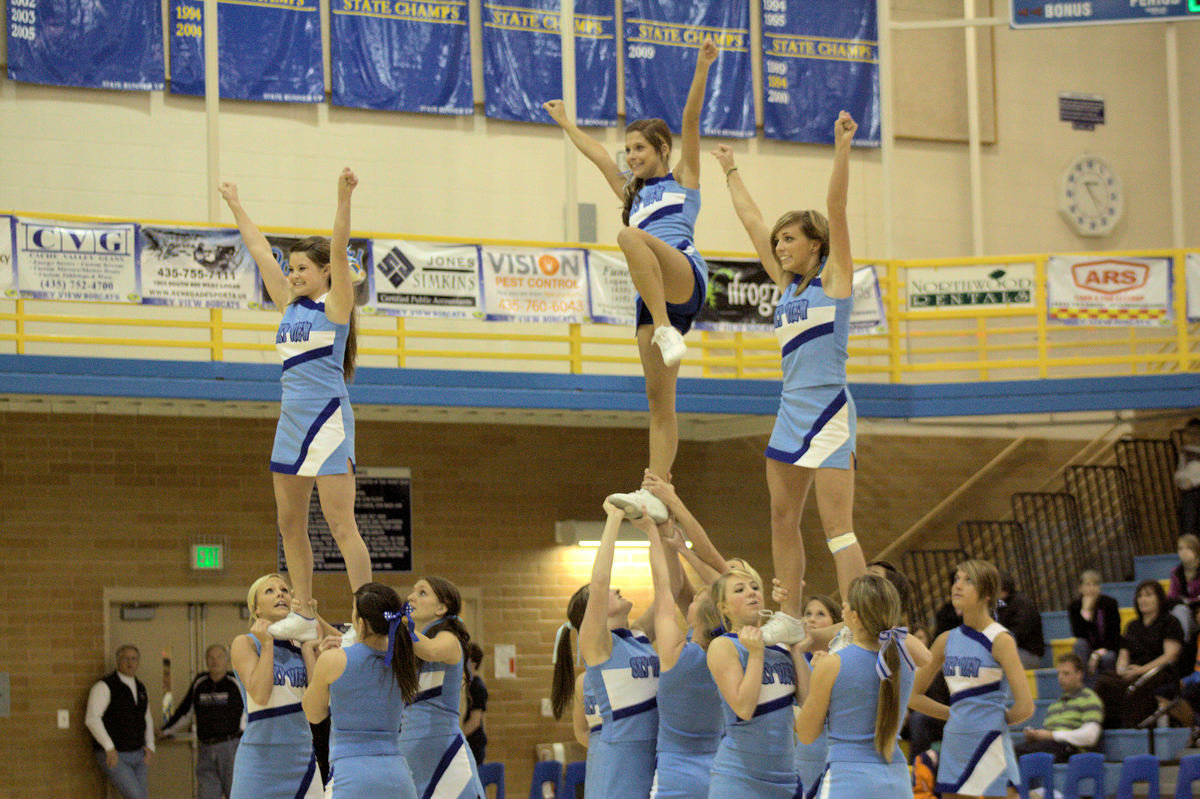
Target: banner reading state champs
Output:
[(76, 260), (1085, 290), (820, 57), (416, 279), (98, 44), (397, 55), (269, 49), (521, 284), (661, 42), (196, 268), (522, 59)]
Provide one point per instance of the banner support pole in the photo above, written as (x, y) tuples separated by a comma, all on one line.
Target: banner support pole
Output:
[(571, 184), (212, 103)]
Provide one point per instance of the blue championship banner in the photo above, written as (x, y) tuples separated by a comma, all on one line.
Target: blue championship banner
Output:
[(522, 60), (820, 58), (97, 44), (395, 55), (269, 50), (661, 40)]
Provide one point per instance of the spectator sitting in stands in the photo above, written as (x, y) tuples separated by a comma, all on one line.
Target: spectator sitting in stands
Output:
[(1020, 615), (1185, 581), (1146, 663), (1187, 479), (1073, 723), (1096, 625)]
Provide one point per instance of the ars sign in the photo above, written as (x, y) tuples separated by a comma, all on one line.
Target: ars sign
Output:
[(1109, 276)]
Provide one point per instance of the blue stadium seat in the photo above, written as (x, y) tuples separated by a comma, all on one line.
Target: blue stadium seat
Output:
[(1037, 766), (1154, 567), (1189, 772), (1081, 767), (493, 774), (1055, 624), (1139, 768), (545, 771), (1047, 684), (573, 775), (1121, 744), (1122, 592), (1169, 742)]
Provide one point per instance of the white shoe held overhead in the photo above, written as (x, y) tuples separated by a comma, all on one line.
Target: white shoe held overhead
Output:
[(633, 502), (294, 627), (350, 637), (670, 343), (780, 628)]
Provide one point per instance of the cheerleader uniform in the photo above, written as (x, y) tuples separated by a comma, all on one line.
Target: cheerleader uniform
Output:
[(854, 768), (430, 738), (275, 759), (756, 758), (626, 690), (815, 426), (365, 706), (810, 758), (689, 727), (977, 755), (668, 211), (315, 434)]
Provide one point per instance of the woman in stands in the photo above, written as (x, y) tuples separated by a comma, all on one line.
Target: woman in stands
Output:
[(808, 257), (1096, 625), (314, 440), (980, 661), (621, 677), (660, 209), (1150, 647), (365, 687), (275, 758), (859, 694), (431, 739), (1185, 580)]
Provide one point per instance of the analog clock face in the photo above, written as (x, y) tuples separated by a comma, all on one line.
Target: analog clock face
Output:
[(1090, 196)]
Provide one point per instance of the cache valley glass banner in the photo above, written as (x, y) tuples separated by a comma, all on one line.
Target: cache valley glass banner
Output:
[(1118, 290), (819, 58), (94, 44), (87, 261), (522, 60), (196, 268), (269, 50), (394, 55), (661, 42)]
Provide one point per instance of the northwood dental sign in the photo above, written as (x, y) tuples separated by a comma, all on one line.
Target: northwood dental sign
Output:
[(931, 288)]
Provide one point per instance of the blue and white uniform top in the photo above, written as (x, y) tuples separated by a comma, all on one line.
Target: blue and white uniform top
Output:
[(281, 720), (853, 704), (365, 706), (592, 686), (627, 688), (978, 687), (689, 718), (434, 710), (311, 348), (813, 331), (771, 730), (666, 210)]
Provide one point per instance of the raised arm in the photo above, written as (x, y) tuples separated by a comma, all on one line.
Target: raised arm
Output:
[(837, 279), (748, 213), (593, 150), (668, 638), (702, 545), (255, 670), (442, 648), (259, 248), (595, 641), (340, 302), (687, 172)]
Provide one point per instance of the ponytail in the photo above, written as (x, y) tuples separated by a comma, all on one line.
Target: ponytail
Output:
[(877, 604), (381, 610), (351, 354), (887, 715), (631, 192), (562, 689)]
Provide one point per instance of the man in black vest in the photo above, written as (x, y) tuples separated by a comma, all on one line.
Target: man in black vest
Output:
[(118, 716), (216, 699)]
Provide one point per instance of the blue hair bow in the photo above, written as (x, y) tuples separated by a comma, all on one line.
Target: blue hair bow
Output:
[(895, 635), (394, 619)]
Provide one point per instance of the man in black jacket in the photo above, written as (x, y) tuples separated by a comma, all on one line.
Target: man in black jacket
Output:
[(1019, 614), (216, 699), (118, 716)]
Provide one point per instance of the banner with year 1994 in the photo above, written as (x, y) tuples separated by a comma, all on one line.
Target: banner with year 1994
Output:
[(269, 49), (394, 55), (661, 42), (98, 44), (196, 268), (524, 284), (418, 279), (58, 260), (820, 57)]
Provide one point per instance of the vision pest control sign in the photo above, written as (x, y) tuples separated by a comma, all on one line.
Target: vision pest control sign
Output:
[(1083, 290)]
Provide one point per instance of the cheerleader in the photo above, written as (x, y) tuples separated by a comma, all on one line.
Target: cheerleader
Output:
[(857, 697), (820, 612), (364, 687), (808, 257), (275, 759), (660, 210), (622, 671), (314, 440), (980, 661)]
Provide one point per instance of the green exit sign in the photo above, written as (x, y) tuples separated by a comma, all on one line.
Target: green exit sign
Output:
[(208, 556), (1194, 6)]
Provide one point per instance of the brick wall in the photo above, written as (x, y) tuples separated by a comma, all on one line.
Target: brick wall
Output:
[(105, 500)]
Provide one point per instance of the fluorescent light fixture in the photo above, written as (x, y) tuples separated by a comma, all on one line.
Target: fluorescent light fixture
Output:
[(587, 534), (138, 612)]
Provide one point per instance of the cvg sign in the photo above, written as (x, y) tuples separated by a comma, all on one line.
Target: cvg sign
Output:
[(1110, 276)]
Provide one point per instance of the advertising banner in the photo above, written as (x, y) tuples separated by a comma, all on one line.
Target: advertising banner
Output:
[(416, 279), (196, 268), (76, 260), (8, 271), (359, 251), (522, 284), (611, 296), (1084, 290), (975, 286), (1193, 287)]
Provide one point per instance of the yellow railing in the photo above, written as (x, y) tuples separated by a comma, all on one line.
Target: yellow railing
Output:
[(918, 346)]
